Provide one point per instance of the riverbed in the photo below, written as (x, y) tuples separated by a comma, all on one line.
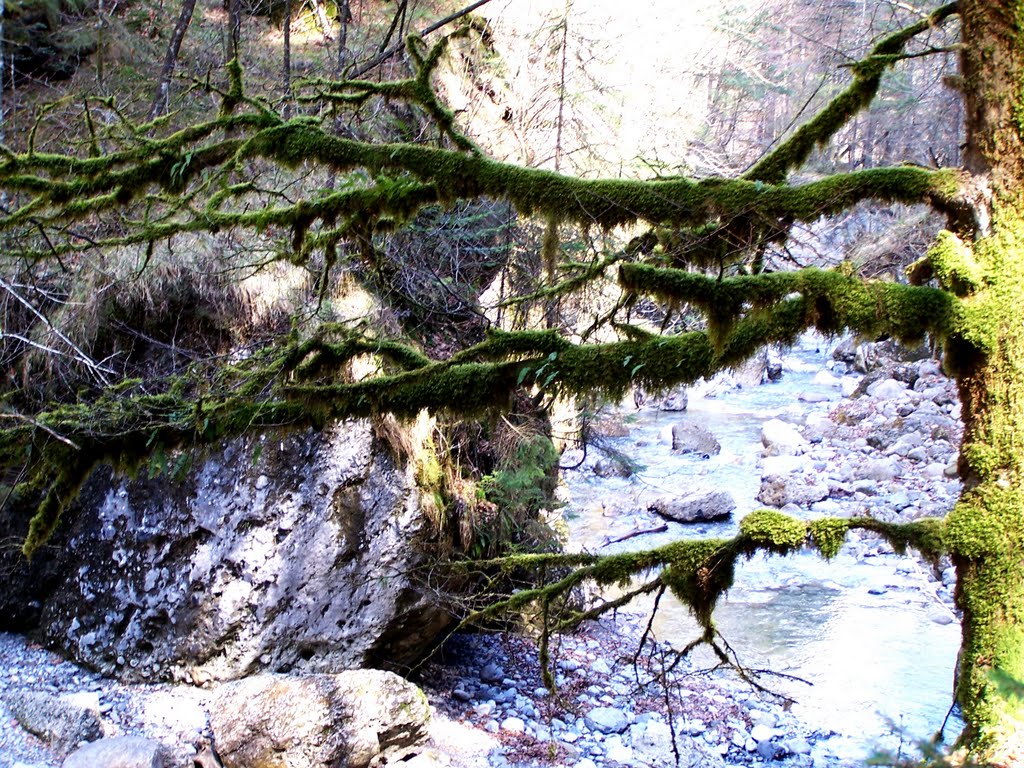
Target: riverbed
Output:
[(871, 635)]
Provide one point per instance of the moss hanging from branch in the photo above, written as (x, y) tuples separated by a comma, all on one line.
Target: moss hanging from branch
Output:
[(698, 572), (831, 301)]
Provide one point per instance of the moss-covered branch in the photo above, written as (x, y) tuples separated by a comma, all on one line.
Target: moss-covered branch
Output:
[(830, 301), (698, 572), (65, 188), (867, 76), (606, 202)]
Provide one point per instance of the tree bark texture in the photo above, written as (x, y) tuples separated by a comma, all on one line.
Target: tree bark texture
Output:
[(171, 59), (985, 532)]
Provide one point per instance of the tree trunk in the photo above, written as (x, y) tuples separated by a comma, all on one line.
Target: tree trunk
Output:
[(985, 531), (162, 97), (286, 63), (234, 9)]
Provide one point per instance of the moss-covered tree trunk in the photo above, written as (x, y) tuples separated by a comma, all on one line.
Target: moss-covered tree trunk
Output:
[(986, 530)]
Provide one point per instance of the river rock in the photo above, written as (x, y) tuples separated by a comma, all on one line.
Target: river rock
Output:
[(675, 401), (688, 437), (216, 573), (886, 388), (62, 721), (782, 439), (780, 490), (881, 470), (611, 467), (825, 379), (119, 752), (606, 720), (700, 506), (316, 721)]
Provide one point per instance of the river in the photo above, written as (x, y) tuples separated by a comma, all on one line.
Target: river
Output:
[(866, 631)]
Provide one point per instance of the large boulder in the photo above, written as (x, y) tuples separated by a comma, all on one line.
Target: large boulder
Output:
[(697, 507), (283, 552), (688, 437), (316, 721)]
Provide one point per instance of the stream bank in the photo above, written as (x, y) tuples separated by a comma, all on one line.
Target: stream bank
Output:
[(874, 632)]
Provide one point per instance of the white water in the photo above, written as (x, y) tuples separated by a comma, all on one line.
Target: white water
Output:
[(864, 631)]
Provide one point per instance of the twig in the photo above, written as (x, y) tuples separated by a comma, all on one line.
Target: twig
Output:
[(46, 429), (639, 532), (381, 58)]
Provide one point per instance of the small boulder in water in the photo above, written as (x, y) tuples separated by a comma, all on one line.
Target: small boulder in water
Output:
[(693, 438), (698, 507)]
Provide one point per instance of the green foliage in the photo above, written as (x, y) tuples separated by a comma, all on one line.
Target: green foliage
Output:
[(828, 535), (524, 481)]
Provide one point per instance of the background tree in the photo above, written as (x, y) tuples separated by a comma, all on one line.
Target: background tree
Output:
[(138, 188)]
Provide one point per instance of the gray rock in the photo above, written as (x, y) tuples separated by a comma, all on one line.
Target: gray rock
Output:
[(886, 389), (606, 720), (610, 467), (699, 506), (769, 750), (218, 573), (688, 437), (675, 401), (782, 439), (62, 721), (778, 491), (119, 752), (883, 470), (798, 746), (492, 673), (317, 720)]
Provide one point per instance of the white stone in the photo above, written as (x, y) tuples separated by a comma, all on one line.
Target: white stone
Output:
[(513, 725), (606, 720), (762, 732), (782, 465), (118, 752), (885, 389), (782, 439), (825, 379)]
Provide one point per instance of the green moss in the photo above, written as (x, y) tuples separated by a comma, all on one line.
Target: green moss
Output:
[(63, 491), (986, 521), (954, 264), (773, 531), (828, 535), (830, 301)]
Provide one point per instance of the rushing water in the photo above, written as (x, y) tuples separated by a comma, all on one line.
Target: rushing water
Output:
[(868, 634)]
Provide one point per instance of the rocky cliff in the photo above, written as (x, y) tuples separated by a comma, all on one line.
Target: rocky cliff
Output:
[(295, 551)]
